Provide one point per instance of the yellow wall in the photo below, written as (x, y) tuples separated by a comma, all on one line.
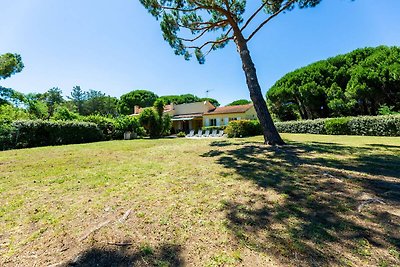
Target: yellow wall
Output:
[(223, 119)]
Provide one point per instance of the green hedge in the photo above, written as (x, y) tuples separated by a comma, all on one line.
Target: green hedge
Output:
[(311, 126), (34, 133), (388, 125)]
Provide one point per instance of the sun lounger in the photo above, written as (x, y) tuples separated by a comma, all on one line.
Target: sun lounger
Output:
[(191, 134), (207, 133), (200, 133), (221, 133), (214, 133)]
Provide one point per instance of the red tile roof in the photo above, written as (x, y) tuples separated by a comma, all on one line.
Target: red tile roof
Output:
[(230, 109)]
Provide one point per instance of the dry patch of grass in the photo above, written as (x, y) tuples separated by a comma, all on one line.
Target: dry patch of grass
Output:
[(321, 200)]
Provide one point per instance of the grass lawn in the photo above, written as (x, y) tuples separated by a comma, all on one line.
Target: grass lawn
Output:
[(319, 201)]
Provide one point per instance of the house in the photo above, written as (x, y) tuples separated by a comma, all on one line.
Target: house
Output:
[(194, 116)]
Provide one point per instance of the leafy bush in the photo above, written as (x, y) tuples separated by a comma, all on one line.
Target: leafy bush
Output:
[(181, 134), (153, 120), (127, 124), (106, 125), (307, 126), (64, 114), (337, 126), (386, 110), (243, 128), (33, 133), (6, 136), (375, 125), (8, 114), (366, 125)]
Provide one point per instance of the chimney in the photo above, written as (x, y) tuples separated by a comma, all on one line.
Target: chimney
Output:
[(136, 109)]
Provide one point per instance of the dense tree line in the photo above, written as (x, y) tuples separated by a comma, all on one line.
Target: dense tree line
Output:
[(362, 82), (144, 98)]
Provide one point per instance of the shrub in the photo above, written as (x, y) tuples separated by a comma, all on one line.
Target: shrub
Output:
[(106, 125), (243, 128), (309, 126), (8, 114), (337, 126), (127, 124), (375, 125), (64, 114), (6, 134), (153, 120), (366, 125), (43, 133), (181, 134)]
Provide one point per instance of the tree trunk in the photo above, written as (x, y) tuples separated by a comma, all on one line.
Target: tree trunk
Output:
[(271, 135)]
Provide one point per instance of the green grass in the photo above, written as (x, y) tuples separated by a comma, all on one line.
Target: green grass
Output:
[(209, 202)]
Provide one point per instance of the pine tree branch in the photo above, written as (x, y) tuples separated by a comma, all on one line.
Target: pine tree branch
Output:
[(286, 6), (253, 16), (211, 42)]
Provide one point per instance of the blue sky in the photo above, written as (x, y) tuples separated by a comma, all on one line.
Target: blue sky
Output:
[(116, 46)]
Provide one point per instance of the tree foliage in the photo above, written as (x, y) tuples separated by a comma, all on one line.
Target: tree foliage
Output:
[(154, 121), (357, 83), (187, 98), (197, 27), (10, 96), (10, 64), (239, 102), (141, 98)]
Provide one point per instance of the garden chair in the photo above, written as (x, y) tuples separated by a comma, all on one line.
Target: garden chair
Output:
[(221, 133), (214, 133), (191, 134), (207, 133), (200, 133)]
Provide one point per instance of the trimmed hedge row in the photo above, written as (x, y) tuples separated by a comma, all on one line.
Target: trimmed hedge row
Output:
[(34, 133), (388, 125)]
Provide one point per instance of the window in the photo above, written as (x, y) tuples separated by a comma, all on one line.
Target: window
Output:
[(213, 122), (233, 119)]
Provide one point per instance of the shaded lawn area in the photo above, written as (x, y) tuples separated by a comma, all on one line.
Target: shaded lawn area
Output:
[(319, 201)]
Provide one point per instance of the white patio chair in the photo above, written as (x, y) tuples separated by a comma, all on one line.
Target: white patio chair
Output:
[(200, 133), (214, 133), (221, 133), (207, 133), (191, 134)]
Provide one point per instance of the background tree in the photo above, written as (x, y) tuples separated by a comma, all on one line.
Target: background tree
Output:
[(10, 64), (203, 18), (239, 102), (78, 97), (52, 98), (154, 121), (10, 96), (356, 83), (97, 102), (141, 98), (187, 98)]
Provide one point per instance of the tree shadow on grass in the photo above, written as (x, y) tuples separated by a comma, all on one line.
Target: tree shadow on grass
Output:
[(165, 255), (306, 208)]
